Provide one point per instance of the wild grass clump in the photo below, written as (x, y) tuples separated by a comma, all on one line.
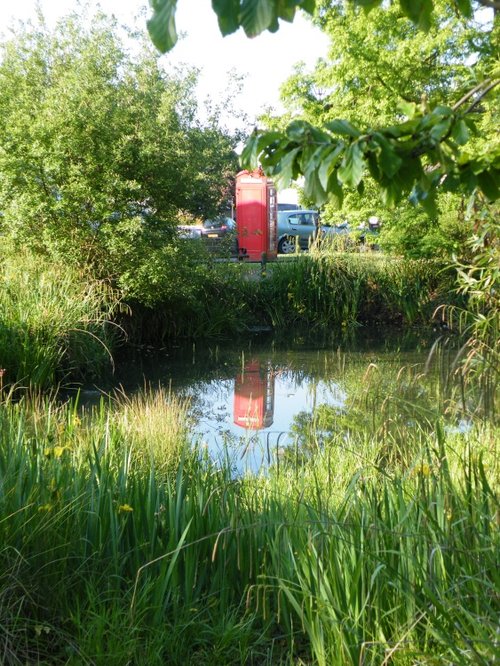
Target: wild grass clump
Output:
[(54, 321), (346, 556), (334, 291), (154, 425)]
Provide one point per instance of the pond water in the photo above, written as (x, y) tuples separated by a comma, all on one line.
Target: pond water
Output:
[(246, 397)]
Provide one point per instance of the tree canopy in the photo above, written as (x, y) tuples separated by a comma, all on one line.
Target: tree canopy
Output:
[(416, 148), (91, 136), (103, 152)]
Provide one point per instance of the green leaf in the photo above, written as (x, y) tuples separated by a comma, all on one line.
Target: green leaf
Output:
[(425, 195), (250, 155), (312, 185), (343, 127), (335, 191), (256, 16), (407, 109), (328, 164), (368, 4), (460, 132), (389, 161), (351, 170), (286, 10), (489, 183), (228, 15), (161, 26), (307, 5), (296, 130), (285, 170), (419, 11), (464, 7), (441, 129)]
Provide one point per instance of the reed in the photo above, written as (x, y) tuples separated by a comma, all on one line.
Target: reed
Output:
[(54, 322), (348, 555), (335, 291)]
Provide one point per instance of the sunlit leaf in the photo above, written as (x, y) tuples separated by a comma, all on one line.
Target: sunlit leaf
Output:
[(328, 164), (343, 127), (460, 132), (256, 16), (408, 109), (228, 15), (250, 155), (161, 26), (351, 170)]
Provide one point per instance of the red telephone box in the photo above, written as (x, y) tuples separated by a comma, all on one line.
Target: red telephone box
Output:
[(256, 216), (254, 397)]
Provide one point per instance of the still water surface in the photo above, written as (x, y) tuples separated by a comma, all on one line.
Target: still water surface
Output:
[(246, 397)]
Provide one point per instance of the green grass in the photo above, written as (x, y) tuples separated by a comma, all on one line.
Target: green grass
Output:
[(54, 322), (121, 544), (316, 291)]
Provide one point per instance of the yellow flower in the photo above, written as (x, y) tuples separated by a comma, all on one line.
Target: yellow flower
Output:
[(126, 508), (424, 469), (59, 450)]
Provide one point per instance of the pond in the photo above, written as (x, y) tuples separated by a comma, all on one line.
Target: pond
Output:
[(249, 399)]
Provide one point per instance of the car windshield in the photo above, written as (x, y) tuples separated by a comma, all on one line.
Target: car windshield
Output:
[(218, 222)]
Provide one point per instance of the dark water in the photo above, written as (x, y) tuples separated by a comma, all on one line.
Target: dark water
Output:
[(246, 396)]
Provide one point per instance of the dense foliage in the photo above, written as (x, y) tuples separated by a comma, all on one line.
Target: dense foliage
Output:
[(101, 149), (418, 153), (378, 64)]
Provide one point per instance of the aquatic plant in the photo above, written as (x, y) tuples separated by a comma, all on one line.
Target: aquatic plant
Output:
[(345, 557), (54, 321)]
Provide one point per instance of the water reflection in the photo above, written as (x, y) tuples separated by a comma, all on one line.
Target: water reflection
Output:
[(250, 417), (254, 396)]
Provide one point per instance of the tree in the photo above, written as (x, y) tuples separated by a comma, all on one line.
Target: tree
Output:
[(97, 144), (376, 62), (421, 152)]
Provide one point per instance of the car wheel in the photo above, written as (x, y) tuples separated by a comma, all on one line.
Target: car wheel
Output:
[(287, 245)]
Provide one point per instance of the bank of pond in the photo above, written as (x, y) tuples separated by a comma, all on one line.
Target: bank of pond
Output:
[(58, 323), (367, 533), (286, 499)]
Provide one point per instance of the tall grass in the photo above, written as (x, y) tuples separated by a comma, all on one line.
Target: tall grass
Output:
[(54, 322), (317, 291), (335, 291), (347, 556)]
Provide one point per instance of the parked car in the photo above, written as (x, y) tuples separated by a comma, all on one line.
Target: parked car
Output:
[(218, 227), (220, 234), (302, 226), (288, 206), (188, 231)]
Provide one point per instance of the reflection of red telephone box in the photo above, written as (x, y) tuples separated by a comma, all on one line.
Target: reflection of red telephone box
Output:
[(254, 397), (256, 216)]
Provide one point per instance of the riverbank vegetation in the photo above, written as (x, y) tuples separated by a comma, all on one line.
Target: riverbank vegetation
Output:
[(123, 543), (60, 322)]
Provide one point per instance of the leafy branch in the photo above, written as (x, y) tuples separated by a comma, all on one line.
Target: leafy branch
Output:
[(256, 16), (413, 158)]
